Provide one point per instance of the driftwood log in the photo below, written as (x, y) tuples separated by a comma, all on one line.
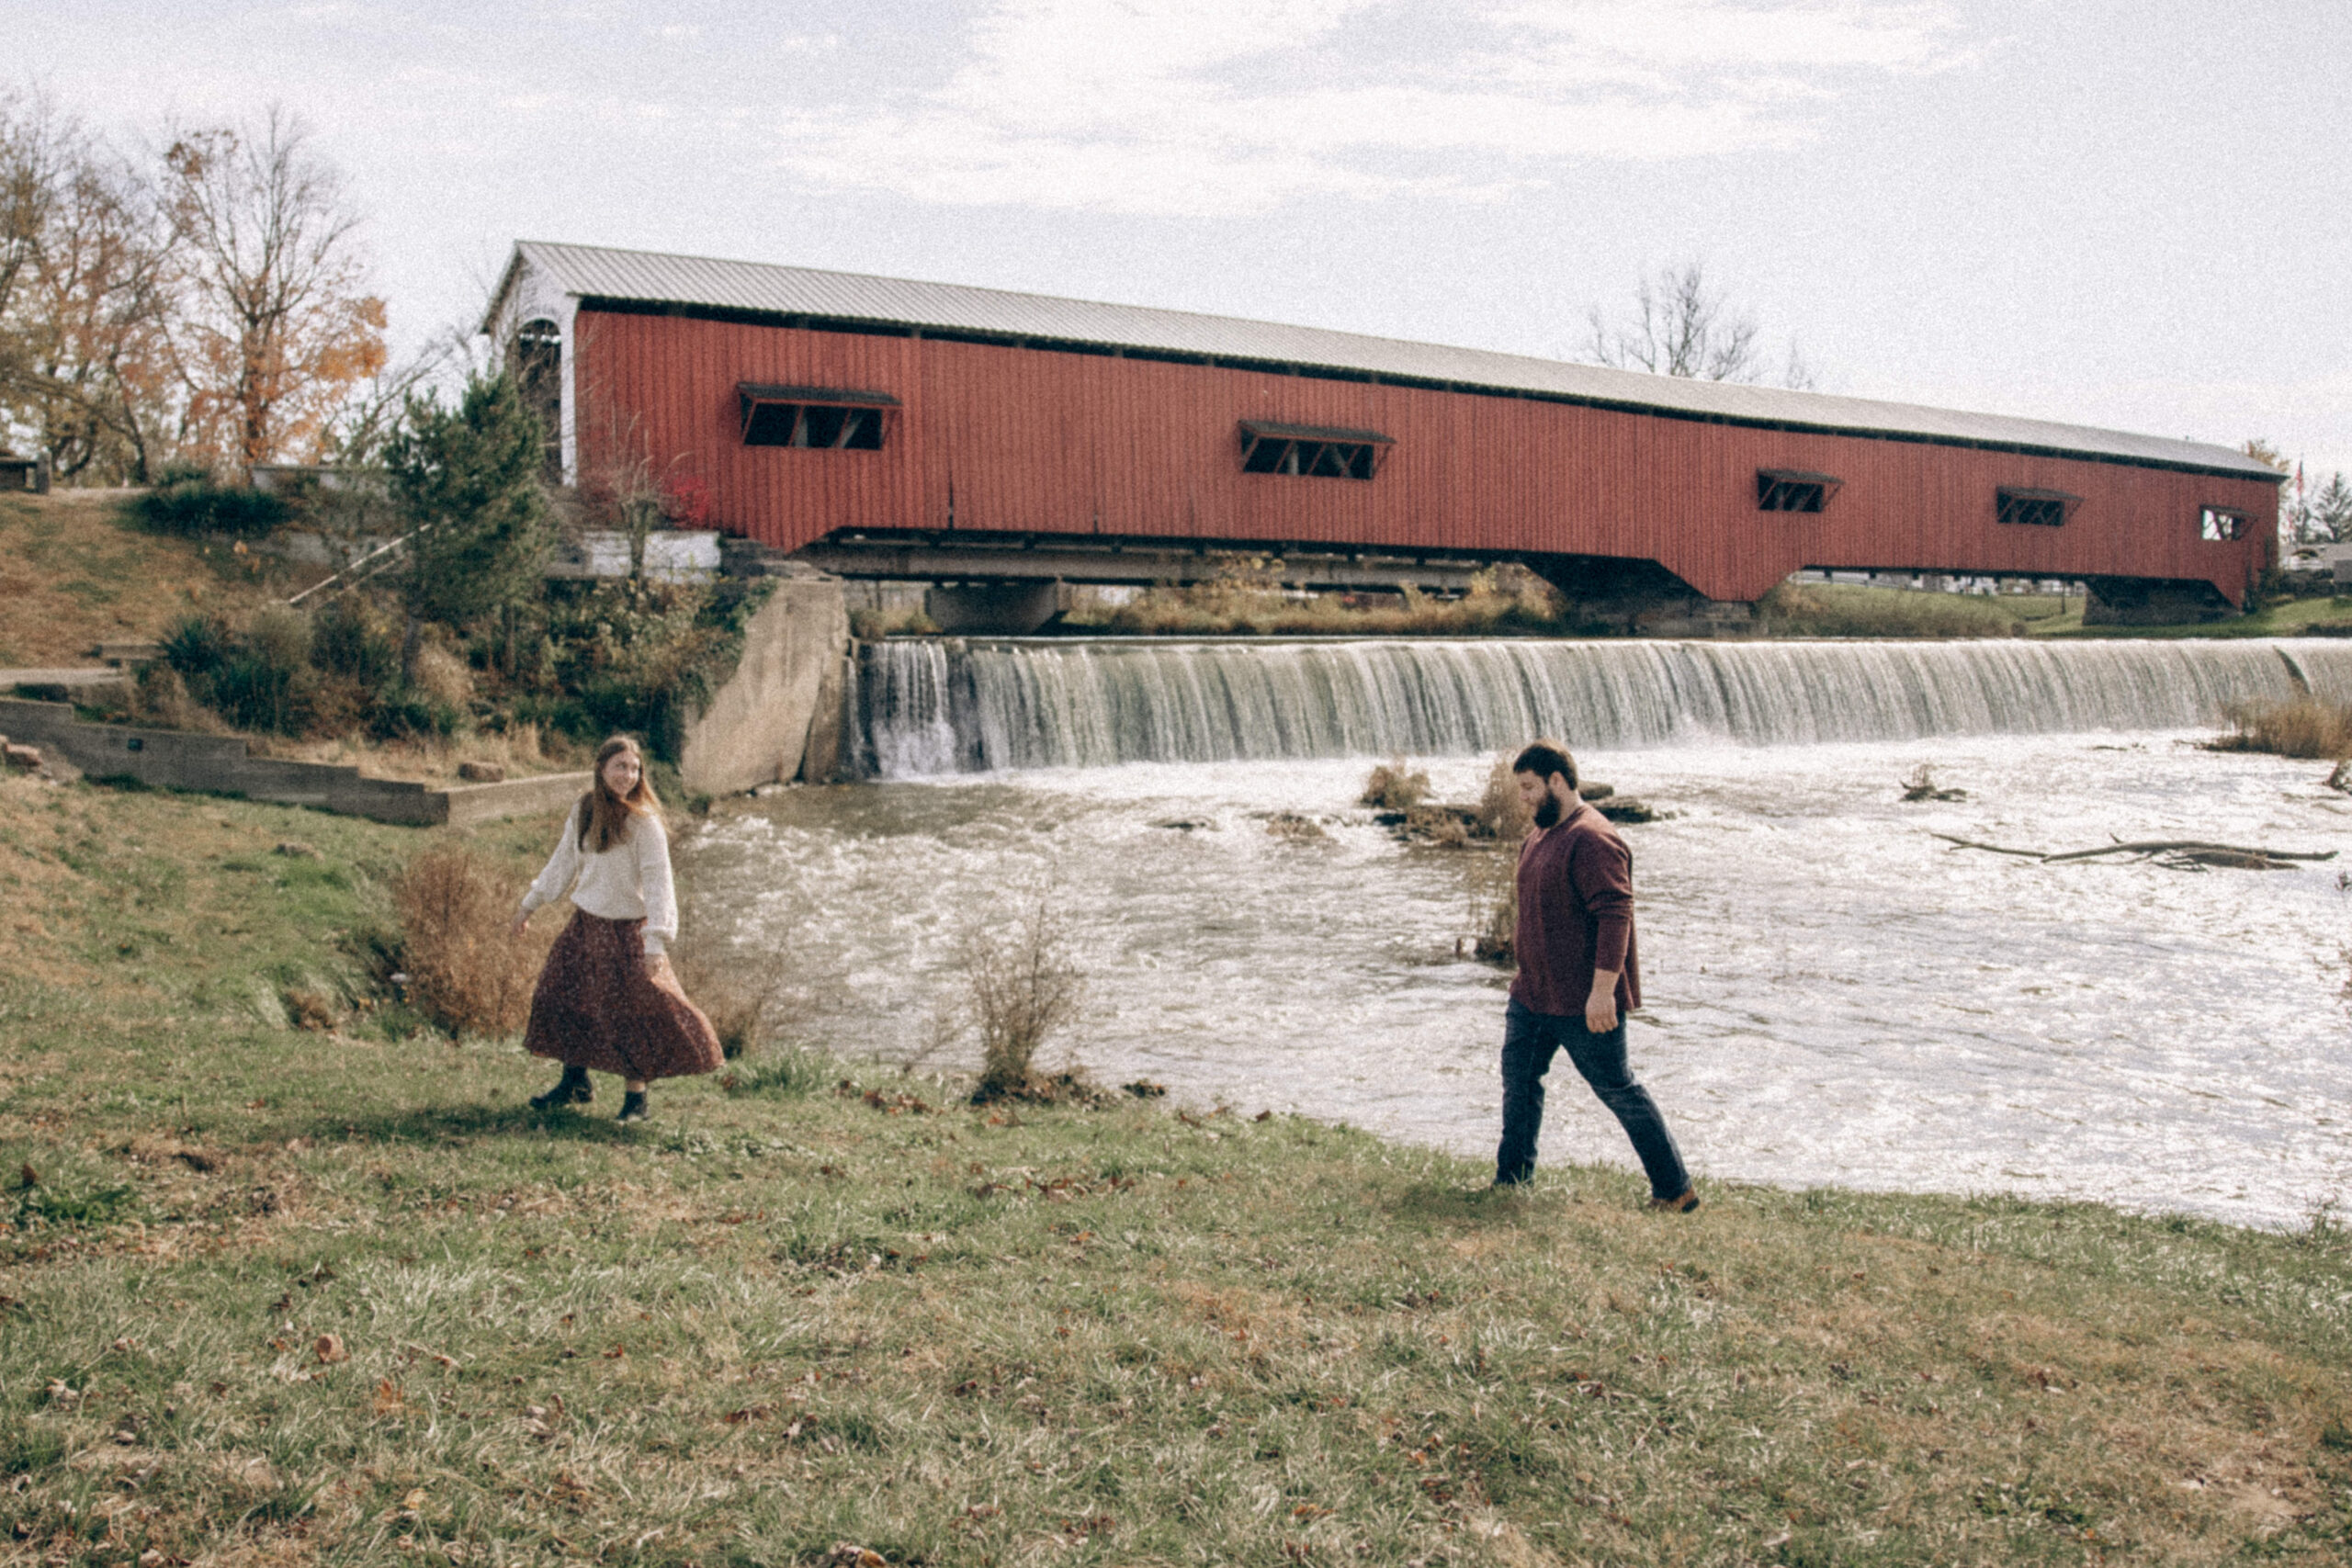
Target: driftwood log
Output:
[(2181, 853)]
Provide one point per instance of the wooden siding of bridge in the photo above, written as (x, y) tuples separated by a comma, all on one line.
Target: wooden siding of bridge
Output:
[(999, 437)]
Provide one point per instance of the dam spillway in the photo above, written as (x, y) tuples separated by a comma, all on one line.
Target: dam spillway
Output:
[(934, 706)]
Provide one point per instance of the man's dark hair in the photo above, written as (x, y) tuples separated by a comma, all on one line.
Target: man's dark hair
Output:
[(1545, 757)]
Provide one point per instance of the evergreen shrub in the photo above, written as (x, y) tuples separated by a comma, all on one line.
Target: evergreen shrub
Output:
[(188, 504)]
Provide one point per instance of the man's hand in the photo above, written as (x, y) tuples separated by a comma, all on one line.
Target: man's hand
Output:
[(520, 921), (1601, 1008)]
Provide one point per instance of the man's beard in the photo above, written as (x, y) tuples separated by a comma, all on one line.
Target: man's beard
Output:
[(1548, 814)]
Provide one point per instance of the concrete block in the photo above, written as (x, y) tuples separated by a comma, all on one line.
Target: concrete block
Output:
[(22, 759), (223, 764), (481, 772), (671, 555), (756, 730), (543, 795), (121, 653), (821, 762)]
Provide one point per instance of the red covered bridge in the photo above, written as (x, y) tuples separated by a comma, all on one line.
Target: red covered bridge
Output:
[(833, 413)]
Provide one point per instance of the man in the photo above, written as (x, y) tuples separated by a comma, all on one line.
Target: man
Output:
[(1578, 976)]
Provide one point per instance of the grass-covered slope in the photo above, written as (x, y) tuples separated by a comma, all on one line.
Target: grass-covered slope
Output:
[(76, 571), (278, 1295)]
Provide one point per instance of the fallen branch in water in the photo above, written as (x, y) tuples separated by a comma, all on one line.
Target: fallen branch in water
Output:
[(2158, 846), (2144, 847), (1997, 848)]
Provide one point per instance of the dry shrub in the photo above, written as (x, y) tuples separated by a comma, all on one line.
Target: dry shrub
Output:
[(1393, 786), (1494, 881), (1444, 832), (1501, 813), (1245, 598), (441, 676), (1292, 828), (159, 697), (732, 992), (468, 972), (309, 1009), (1021, 986), (2295, 727)]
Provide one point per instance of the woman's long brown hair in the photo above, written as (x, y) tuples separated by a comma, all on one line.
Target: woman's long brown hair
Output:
[(605, 821)]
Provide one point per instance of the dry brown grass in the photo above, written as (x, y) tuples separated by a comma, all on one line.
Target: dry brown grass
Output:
[(2297, 726), (74, 574), (39, 890), (1394, 786), (1247, 599), (522, 750), (468, 972)]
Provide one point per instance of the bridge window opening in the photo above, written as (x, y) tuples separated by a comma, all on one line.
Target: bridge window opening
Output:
[(2038, 508), (1312, 450), (537, 358), (2218, 523), (815, 417), (1794, 490)]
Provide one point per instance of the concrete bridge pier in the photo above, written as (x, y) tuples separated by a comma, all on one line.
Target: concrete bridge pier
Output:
[(778, 717), (2151, 601), (997, 609)]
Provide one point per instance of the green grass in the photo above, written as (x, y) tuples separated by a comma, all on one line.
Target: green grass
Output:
[(341, 1297), (1843, 609), (2294, 617)]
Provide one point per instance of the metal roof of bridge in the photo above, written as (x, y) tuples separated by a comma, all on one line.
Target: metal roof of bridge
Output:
[(593, 272)]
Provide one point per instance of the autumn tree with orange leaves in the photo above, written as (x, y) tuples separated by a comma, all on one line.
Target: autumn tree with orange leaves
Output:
[(86, 378), (274, 327)]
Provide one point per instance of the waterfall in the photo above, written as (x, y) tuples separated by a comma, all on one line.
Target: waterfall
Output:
[(933, 706)]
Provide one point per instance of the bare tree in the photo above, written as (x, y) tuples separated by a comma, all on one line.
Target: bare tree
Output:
[(276, 325), (84, 260), (1682, 326), (28, 189)]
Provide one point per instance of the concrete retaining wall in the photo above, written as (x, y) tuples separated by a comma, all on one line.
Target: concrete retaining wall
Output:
[(778, 717), (222, 764)]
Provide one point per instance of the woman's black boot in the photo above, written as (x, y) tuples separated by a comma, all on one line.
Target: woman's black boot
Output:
[(573, 1088), (633, 1107)]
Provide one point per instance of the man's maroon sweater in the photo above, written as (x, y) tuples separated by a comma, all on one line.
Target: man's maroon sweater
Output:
[(1575, 915)]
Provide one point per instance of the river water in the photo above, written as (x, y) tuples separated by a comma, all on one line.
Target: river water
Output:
[(1834, 995)]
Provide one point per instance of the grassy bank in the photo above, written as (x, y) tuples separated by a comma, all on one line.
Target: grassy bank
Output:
[(75, 572), (276, 1294)]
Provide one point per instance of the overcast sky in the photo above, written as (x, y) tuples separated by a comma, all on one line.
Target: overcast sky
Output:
[(2120, 212)]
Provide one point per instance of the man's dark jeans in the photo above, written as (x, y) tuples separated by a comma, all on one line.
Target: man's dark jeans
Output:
[(1529, 1038)]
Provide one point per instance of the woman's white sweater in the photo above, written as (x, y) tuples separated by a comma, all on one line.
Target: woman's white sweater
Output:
[(628, 882)]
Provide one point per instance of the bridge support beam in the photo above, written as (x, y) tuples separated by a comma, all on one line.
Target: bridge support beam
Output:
[(999, 609), (1608, 594), (981, 557)]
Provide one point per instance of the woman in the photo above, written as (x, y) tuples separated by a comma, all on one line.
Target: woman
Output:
[(608, 998)]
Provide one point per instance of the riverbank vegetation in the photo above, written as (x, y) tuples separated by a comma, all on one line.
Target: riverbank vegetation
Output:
[(296, 1283), (2301, 726), (1247, 599), (1837, 609), (466, 653)]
